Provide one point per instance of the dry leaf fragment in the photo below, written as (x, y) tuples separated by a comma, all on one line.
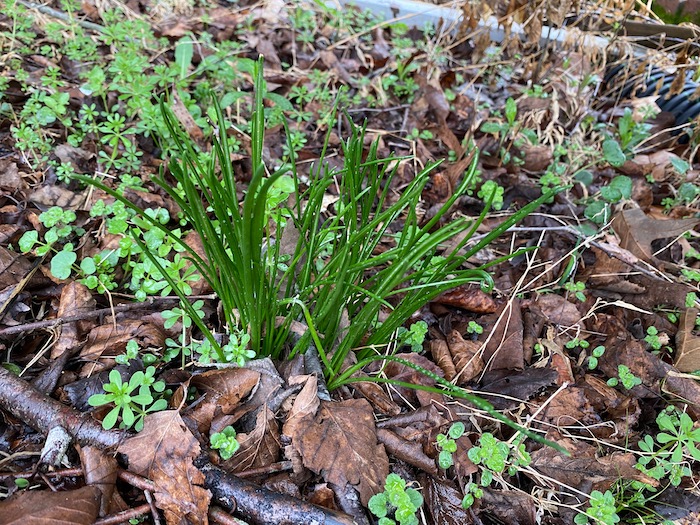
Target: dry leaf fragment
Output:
[(258, 448), (687, 344), (466, 357), (442, 357), (586, 472), (78, 507), (637, 231), (164, 452), (75, 299), (468, 298), (339, 442)]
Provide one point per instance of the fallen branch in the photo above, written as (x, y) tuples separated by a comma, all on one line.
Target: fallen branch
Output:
[(255, 503), (50, 323)]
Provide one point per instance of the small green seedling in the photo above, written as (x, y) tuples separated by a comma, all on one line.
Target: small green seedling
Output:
[(447, 445), (474, 328), (596, 354), (655, 339), (132, 406), (397, 504), (677, 439), (602, 510), (225, 442), (626, 377), (131, 352), (577, 288), (413, 336), (472, 492)]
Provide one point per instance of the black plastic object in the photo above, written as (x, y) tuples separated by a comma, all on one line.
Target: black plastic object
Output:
[(684, 105)]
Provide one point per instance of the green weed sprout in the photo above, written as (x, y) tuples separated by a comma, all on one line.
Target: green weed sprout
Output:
[(397, 504), (414, 336), (225, 442), (131, 405), (596, 354), (474, 328), (447, 444), (493, 456), (626, 377), (602, 509), (676, 439)]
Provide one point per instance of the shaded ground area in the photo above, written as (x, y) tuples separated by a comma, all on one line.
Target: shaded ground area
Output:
[(582, 335)]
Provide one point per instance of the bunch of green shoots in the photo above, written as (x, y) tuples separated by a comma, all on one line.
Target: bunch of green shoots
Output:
[(333, 272)]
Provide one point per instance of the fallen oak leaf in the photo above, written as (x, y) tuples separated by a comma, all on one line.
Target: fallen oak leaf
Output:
[(637, 231), (339, 442), (164, 451)]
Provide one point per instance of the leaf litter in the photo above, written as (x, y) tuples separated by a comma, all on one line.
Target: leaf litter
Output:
[(630, 243)]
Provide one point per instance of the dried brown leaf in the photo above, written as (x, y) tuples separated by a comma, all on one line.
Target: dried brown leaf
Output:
[(109, 341), (339, 442), (443, 501), (637, 231), (510, 506), (585, 471), (442, 357), (51, 195), (101, 471), (164, 452), (400, 372), (468, 298), (75, 299), (409, 451), (13, 267), (687, 344), (226, 387), (258, 448), (558, 310), (466, 357), (71, 507), (504, 349), (10, 179)]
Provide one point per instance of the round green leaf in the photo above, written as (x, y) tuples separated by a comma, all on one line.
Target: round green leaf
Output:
[(613, 154), (61, 264), (28, 240)]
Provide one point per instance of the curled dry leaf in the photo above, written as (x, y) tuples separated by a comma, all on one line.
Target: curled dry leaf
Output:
[(101, 471), (510, 506), (75, 299), (466, 357), (400, 372), (505, 349), (13, 268), (258, 448), (164, 452), (585, 471), (406, 450), (442, 357), (468, 298), (223, 391), (443, 501), (107, 341)]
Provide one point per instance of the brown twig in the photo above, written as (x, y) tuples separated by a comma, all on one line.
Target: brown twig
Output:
[(125, 516), (50, 323), (43, 413)]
